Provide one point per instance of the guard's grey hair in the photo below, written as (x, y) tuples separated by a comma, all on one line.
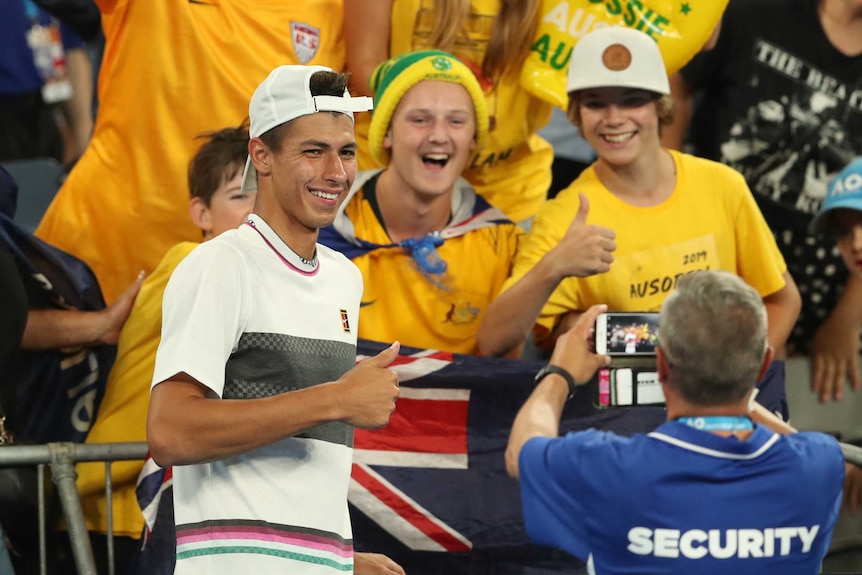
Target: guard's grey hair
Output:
[(712, 330)]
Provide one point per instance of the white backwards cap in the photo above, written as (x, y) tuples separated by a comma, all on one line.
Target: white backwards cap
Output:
[(284, 96)]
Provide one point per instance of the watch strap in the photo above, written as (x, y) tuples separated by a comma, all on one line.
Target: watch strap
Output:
[(549, 369)]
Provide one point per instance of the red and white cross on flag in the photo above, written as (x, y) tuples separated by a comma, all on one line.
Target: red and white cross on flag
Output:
[(427, 430)]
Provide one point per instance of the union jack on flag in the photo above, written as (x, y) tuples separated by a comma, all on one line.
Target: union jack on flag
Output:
[(427, 431)]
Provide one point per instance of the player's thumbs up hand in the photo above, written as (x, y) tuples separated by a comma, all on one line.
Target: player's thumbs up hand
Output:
[(369, 390), (384, 358)]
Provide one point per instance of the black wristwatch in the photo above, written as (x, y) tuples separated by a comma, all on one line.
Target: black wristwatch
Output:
[(549, 369)]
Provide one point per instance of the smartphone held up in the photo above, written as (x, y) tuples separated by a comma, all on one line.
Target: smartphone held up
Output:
[(626, 334), (630, 339)]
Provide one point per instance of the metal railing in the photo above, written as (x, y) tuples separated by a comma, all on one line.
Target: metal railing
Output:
[(62, 457), (852, 453)]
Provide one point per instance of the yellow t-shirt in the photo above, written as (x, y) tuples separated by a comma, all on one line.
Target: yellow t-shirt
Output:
[(122, 415), (710, 221), (171, 71), (401, 303), (513, 171)]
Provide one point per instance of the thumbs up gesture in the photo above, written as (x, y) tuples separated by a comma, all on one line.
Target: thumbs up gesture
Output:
[(369, 391), (585, 249)]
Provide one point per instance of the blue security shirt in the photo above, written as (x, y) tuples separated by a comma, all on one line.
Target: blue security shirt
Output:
[(18, 73), (680, 500)]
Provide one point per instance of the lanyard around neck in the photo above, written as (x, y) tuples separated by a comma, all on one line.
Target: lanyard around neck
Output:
[(718, 423)]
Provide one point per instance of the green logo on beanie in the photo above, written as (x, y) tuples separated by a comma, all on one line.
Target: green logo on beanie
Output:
[(442, 64)]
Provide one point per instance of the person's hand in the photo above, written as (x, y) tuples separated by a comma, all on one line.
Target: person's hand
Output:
[(585, 249), (573, 350), (375, 564), (369, 391), (116, 314), (835, 357), (852, 488)]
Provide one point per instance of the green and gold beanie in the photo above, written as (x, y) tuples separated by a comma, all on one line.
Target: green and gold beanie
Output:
[(391, 80)]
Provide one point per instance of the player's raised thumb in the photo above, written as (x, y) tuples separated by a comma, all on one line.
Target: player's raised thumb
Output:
[(385, 357), (583, 209)]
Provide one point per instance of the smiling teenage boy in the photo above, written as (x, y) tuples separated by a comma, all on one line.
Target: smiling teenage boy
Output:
[(432, 252), (255, 393), (639, 218)]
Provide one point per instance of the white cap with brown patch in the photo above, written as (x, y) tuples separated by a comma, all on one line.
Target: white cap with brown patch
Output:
[(617, 57)]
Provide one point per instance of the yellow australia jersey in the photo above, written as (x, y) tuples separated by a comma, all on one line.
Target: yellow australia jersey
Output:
[(710, 221), (172, 71), (123, 413), (444, 312), (513, 171)]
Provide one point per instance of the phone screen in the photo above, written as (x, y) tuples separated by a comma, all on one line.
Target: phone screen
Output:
[(631, 333)]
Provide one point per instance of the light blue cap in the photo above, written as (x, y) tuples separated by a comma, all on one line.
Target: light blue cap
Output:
[(845, 191)]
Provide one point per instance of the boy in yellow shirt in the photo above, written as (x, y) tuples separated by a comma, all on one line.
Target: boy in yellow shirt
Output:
[(639, 218), (432, 252)]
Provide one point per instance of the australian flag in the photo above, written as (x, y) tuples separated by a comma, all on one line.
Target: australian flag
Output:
[(430, 490)]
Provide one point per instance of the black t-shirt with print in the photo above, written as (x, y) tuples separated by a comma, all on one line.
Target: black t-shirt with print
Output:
[(783, 107), (13, 311)]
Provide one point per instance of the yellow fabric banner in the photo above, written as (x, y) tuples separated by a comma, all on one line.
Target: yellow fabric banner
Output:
[(679, 27)]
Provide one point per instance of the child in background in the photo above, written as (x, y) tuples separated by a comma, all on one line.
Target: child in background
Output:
[(841, 217)]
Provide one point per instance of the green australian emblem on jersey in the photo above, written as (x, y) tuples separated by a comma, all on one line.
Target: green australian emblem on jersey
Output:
[(442, 64)]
